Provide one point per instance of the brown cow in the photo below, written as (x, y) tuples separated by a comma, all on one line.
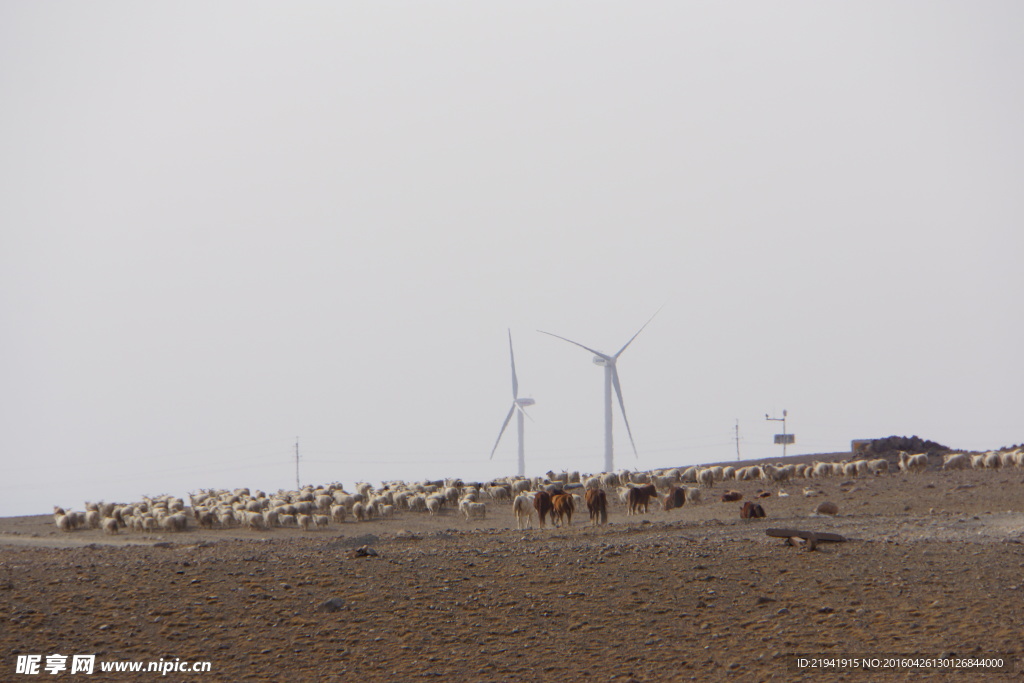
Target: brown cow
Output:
[(638, 497), (731, 496), (542, 504), (597, 505), (676, 498), (562, 505), (751, 510)]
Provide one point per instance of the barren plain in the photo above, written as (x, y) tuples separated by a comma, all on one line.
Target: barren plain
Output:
[(933, 568)]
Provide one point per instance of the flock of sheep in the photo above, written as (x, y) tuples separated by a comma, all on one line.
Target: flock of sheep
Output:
[(318, 507)]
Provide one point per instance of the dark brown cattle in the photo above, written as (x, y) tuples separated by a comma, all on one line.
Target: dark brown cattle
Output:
[(597, 505), (562, 505), (731, 496), (676, 498), (751, 511), (638, 497), (542, 504)]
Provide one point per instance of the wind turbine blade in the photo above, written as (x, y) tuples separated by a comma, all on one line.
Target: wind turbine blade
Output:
[(524, 412), (596, 353), (508, 418), (515, 381), (637, 333), (622, 407)]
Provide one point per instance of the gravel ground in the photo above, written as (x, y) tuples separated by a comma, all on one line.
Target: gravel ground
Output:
[(934, 566)]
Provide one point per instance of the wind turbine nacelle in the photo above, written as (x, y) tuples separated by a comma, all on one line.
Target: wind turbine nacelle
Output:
[(523, 402), (600, 361)]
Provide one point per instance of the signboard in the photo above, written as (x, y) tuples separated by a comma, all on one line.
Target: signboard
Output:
[(785, 438)]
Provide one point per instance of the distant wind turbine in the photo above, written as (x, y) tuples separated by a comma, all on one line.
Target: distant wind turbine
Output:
[(611, 379), (517, 407)]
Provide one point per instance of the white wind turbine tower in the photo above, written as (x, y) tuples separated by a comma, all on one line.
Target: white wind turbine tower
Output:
[(517, 407), (611, 379)]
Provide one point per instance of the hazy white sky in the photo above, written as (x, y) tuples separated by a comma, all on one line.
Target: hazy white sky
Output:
[(225, 225)]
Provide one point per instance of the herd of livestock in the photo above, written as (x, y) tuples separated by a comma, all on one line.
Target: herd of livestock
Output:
[(554, 497)]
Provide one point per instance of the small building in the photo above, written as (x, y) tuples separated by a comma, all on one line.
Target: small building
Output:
[(860, 446)]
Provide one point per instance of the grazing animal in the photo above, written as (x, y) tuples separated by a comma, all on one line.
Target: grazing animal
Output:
[(879, 466), (676, 498), (542, 504), (524, 511), (597, 506), (639, 497), (751, 510), (562, 505), (913, 463), (731, 496), (706, 478), (956, 462), (474, 511)]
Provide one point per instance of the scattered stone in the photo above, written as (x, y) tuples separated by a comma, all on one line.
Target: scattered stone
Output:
[(332, 605), (353, 541), (363, 551), (827, 508)]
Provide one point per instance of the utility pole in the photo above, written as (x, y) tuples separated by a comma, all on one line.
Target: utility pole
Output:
[(782, 438), (737, 439), (297, 487)]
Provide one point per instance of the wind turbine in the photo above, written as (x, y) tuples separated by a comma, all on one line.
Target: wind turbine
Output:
[(611, 379), (517, 407)]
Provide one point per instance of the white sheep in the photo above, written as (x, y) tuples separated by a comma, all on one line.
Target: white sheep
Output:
[(609, 479), (359, 512), (913, 463), (63, 522), (706, 478), (475, 511), (957, 461), (878, 466), (498, 493), (176, 522), (822, 469)]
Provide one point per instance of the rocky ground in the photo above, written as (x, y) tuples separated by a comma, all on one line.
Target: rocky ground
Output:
[(934, 566)]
